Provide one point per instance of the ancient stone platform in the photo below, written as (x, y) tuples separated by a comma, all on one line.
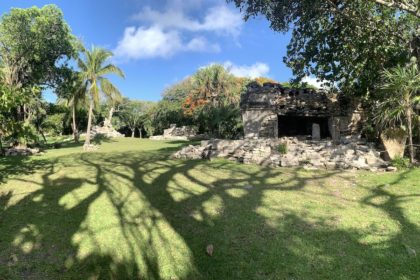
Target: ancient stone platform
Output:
[(352, 153)]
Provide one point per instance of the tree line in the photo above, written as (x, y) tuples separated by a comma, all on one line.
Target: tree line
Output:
[(369, 49)]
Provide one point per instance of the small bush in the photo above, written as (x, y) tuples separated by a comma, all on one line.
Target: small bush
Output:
[(282, 148), (401, 162)]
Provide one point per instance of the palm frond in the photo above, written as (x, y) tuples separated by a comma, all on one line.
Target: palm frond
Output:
[(110, 90), (111, 69)]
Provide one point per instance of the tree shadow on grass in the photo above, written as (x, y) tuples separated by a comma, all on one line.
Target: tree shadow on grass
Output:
[(143, 216)]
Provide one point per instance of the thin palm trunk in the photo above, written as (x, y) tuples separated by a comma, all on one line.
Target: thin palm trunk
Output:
[(74, 126), (410, 134), (111, 113), (87, 141)]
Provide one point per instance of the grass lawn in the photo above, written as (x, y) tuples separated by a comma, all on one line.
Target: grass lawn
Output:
[(128, 211)]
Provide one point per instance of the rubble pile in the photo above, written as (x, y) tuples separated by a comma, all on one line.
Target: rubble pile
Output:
[(351, 153)]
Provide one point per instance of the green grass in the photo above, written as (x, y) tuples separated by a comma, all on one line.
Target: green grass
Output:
[(128, 211)]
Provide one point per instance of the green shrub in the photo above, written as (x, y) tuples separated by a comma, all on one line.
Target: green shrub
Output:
[(282, 148), (401, 162)]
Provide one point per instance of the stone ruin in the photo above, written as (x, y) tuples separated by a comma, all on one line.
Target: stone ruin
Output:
[(19, 151), (106, 131), (272, 111), (323, 154), (295, 127), (179, 133)]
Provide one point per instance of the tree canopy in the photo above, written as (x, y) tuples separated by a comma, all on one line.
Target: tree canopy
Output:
[(32, 43), (345, 42)]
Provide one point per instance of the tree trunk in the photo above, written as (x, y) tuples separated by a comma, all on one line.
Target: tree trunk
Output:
[(132, 132), (87, 141), (74, 126), (141, 135), (410, 134), (111, 112), (43, 136)]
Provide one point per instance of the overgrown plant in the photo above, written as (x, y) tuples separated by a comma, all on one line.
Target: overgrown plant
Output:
[(398, 96)]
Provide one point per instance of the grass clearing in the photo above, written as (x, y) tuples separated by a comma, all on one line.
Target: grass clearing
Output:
[(128, 211)]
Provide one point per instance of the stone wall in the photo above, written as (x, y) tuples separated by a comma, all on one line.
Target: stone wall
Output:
[(260, 124), (352, 153), (183, 133), (173, 130), (261, 106)]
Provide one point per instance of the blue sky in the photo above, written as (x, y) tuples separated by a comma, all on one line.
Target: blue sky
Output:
[(160, 42)]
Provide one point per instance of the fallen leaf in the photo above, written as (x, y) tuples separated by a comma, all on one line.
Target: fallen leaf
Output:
[(209, 250)]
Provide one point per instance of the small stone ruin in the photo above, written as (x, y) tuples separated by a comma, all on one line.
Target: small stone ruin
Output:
[(179, 133), (272, 111), (106, 131)]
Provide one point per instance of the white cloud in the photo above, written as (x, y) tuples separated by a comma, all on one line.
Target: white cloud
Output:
[(142, 43), (219, 19), (200, 44), (170, 31), (255, 70)]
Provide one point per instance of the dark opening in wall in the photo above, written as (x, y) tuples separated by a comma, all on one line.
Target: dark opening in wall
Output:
[(302, 126)]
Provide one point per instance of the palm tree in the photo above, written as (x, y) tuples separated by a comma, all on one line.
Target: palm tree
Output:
[(73, 94), (401, 94), (93, 70)]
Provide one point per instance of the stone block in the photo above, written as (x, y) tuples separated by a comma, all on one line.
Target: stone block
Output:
[(316, 132)]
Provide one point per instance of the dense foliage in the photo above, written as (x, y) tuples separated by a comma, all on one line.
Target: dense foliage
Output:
[(35, 45), (208, 100), (346, 43)]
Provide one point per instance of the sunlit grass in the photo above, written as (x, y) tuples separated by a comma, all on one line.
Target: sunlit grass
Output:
[(129, 211)]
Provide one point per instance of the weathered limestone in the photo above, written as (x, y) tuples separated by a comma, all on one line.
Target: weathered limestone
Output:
[(106, 131), (260, 124), (173, 130), (20, 151), (351, 153), (262, 105), (183, 133), (316, 132)]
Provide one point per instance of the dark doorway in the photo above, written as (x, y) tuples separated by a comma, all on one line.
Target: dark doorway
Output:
[(302, 126)]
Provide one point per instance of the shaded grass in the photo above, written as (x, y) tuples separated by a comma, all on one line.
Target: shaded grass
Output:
[(128, 211)]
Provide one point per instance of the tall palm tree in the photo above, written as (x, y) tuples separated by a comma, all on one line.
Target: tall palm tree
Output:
[(73, 95), (401, 88), (93, 70)]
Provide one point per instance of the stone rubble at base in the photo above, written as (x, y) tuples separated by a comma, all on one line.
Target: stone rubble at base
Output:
[(352, 153), (20, 151)]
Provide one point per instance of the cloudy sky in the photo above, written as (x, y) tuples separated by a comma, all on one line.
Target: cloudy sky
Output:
[(160, 42)]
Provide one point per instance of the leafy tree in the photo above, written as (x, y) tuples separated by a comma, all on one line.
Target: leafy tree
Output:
[(35, 44), (409, 6), (166, 113), (93, 70), (400, 94), (72, 93), (134, 113), (169, 109), (12, 98), (32, 42), (345, 42), (213, 89), (54, 124), (214, 84)]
